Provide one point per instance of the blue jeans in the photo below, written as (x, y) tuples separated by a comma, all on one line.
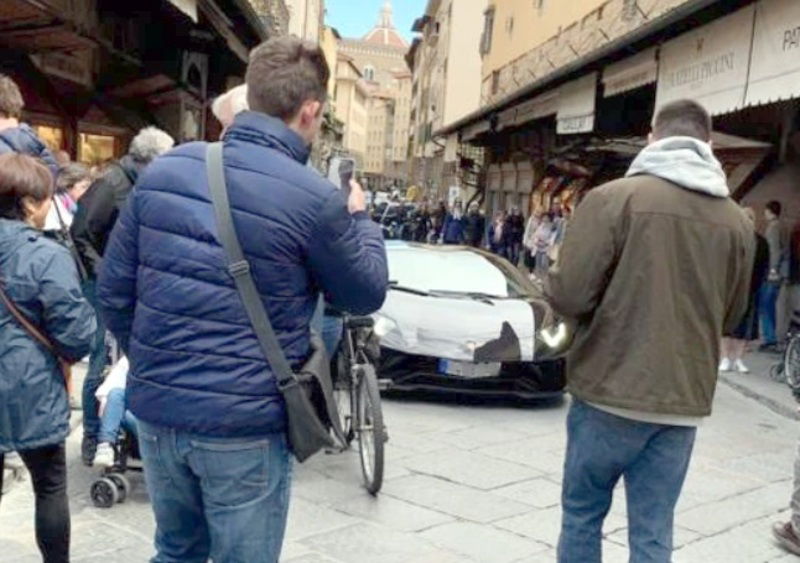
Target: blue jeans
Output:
[(332, 331), (97, 364), (114, 417), (223, 498), (768, 300), (602, 448)]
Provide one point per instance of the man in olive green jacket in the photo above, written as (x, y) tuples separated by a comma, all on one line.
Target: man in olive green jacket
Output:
[(654, 269)]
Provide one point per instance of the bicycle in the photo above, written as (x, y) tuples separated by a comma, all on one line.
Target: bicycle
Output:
[(358, 400)]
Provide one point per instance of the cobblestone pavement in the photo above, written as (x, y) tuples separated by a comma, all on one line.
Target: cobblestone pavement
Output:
[(467, 483)]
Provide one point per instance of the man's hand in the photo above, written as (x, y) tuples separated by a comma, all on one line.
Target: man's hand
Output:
[(357, 201)]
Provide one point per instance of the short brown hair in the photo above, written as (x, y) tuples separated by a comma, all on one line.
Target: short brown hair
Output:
[(22, 176), (11, 102), (283, 73), (683, 118)]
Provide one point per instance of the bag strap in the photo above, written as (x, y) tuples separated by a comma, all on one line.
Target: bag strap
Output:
[(28, 326), (239, 268)]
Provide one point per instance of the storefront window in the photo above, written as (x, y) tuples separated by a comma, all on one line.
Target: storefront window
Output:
[(96, 149), (53, 137)]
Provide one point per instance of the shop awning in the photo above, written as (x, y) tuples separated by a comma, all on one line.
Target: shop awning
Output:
[(709, 64), (634, 72), (775, 69), (188, 7), (576, 105), (538, 107)]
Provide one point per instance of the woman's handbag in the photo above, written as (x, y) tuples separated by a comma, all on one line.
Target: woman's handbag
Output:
[(310, 407), (38, 336)]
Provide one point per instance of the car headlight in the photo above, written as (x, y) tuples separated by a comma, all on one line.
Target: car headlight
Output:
[(555, 337), (383, 326)]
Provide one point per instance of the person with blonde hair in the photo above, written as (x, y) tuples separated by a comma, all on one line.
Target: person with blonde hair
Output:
[(735, 344)]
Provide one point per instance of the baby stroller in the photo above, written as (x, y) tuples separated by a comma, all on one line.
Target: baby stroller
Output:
[(112, 486)]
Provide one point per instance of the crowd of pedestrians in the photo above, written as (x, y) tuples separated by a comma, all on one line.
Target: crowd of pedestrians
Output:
[(135, 251)]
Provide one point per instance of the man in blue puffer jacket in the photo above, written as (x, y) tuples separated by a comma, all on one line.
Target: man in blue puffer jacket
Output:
[(212, 420)]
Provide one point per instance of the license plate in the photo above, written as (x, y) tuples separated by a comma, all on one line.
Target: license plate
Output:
[(469, 369)]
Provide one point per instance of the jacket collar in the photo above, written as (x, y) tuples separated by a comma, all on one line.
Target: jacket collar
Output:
[(268, 131)]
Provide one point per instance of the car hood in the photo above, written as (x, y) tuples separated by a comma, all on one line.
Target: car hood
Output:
[(463, 329)]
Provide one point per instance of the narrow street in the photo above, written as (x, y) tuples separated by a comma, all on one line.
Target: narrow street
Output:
[(467, 483)]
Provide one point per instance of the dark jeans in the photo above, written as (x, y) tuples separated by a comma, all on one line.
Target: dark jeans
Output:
[(97, 365), (513, 252), (223, 498), (601, 449), (48, 469), (768, 300)]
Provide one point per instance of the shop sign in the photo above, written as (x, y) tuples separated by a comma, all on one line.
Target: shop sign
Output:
[(709, 64), (631, 73), (576, 106), (775, 69)]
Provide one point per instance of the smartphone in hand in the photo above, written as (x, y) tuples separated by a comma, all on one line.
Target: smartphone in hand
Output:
[(341, 172)]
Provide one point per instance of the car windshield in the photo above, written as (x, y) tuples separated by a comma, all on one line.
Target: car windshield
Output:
[(454, 271)]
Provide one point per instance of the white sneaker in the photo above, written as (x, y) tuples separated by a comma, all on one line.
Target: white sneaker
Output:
[(740, 367), (104, 458), (725, 365)]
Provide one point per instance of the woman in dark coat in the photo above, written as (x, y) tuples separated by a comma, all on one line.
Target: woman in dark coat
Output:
[(38, 276), (515, 231), (733, 347)]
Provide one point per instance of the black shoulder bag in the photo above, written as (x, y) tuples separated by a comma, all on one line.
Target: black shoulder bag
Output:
[(310, 407)]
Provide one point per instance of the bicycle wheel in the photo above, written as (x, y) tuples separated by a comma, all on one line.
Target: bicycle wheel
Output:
[(344, 395), (370, 429), (791, 365)]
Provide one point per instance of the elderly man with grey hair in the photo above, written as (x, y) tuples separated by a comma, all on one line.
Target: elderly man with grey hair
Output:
[(97, 214), (227, 106)]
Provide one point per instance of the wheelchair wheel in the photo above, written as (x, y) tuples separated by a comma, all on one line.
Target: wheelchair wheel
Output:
[(104, 493), (123, 485), (370, 429)]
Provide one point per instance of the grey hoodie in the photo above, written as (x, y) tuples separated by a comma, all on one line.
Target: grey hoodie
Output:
[(684, 161)]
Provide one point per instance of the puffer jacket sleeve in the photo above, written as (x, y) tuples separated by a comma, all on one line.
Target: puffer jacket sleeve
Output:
[(116, 282), (348, 258), (577, 283), (68, 317)]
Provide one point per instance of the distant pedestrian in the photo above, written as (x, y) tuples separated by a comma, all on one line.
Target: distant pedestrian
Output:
[(655, 268), (528, 240), (515, 231), (71, 183), (768, 307), (16, 136), (40, 292), (735, 344), (438, 216), (230, 104), (543, 240), (211, 417), (453, 229), (475, 226), (96, 217), (497, 236)]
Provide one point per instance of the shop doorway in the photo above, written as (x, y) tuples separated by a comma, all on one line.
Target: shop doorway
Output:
[(96, 150)]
